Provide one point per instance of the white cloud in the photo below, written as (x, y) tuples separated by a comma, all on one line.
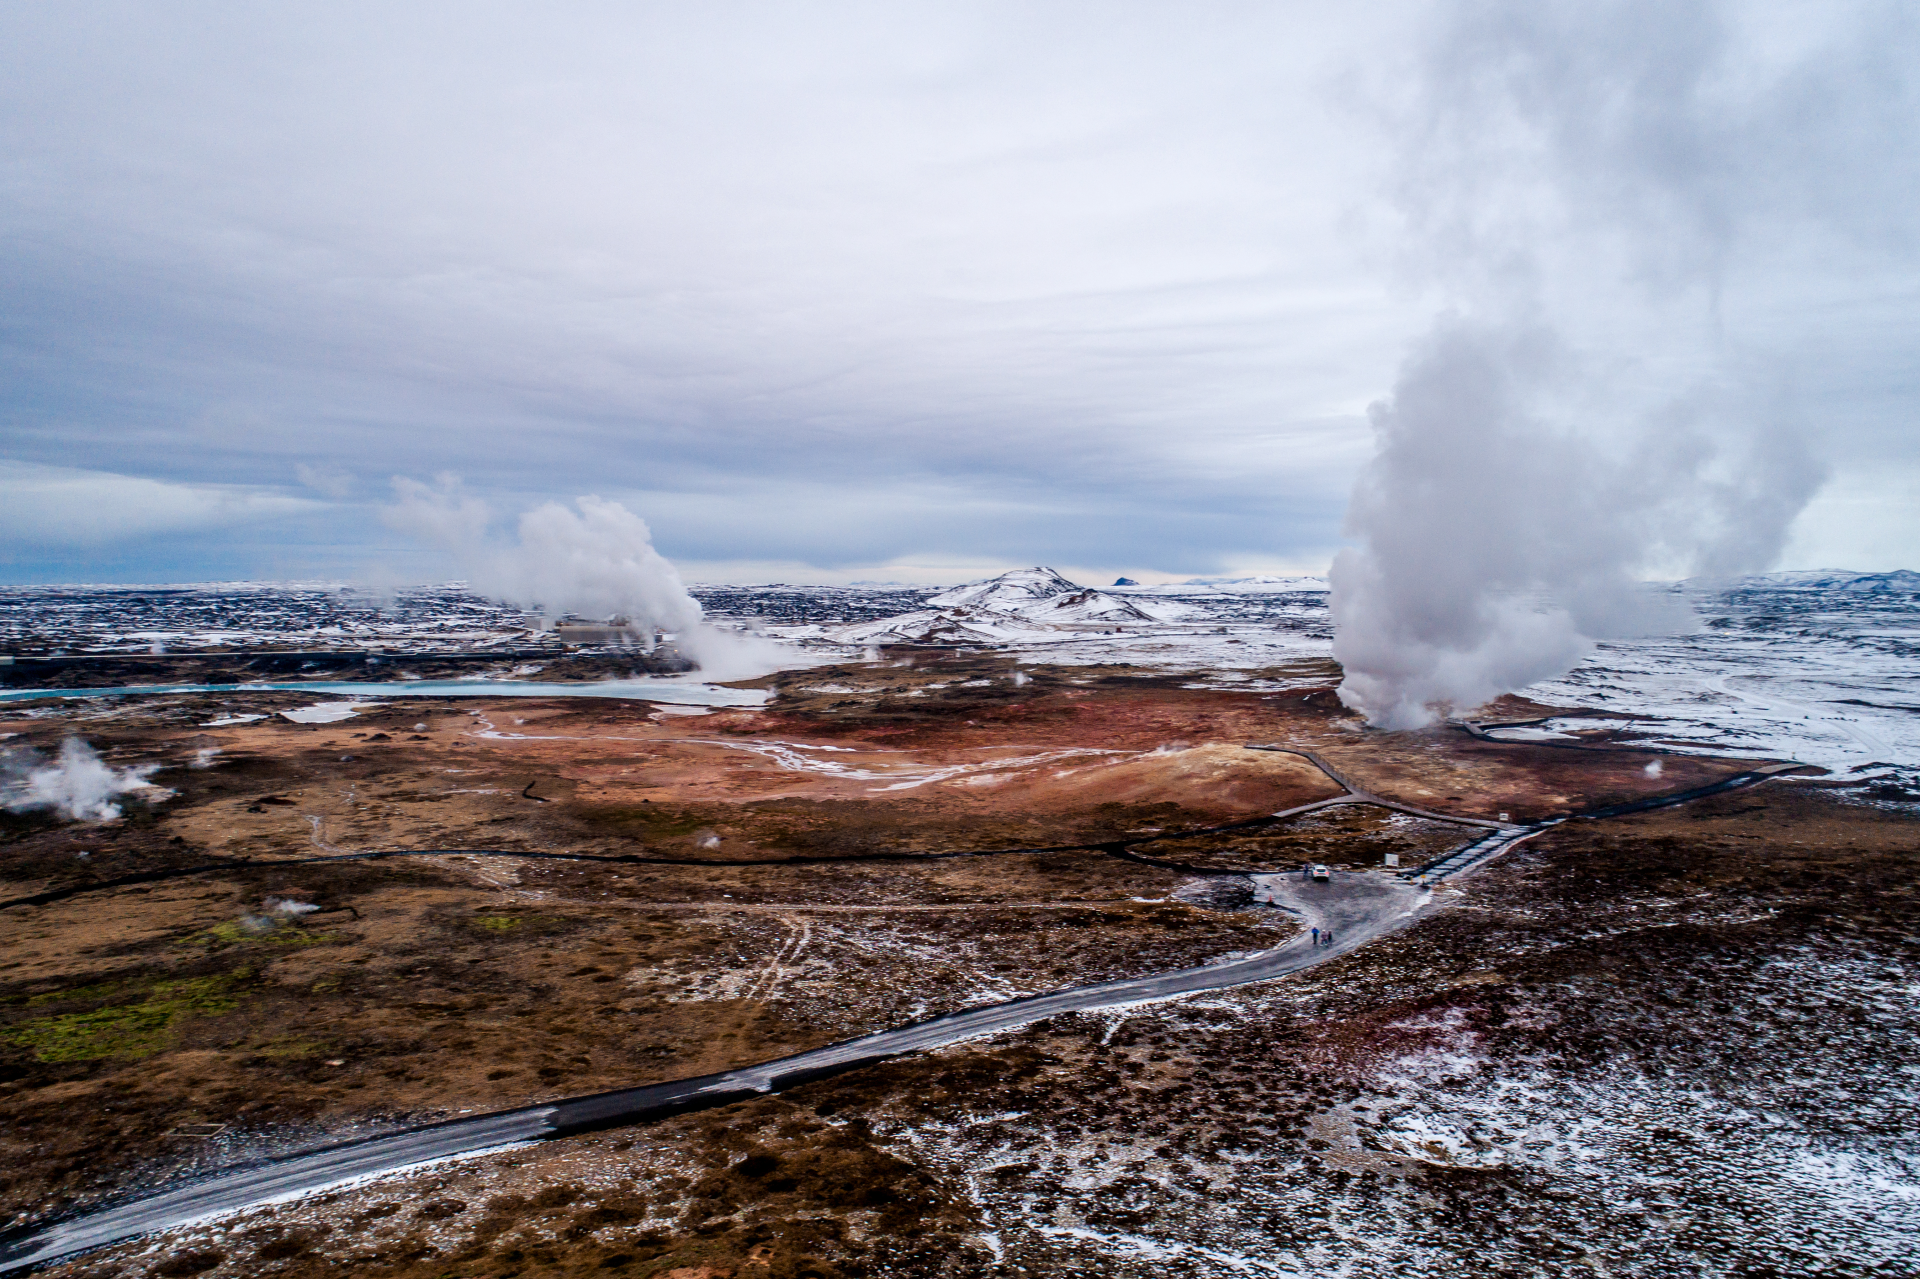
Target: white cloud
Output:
[(1103, 257), (56, 506), (330, 481)]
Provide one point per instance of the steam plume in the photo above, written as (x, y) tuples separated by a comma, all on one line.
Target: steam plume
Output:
[(1498, 545), (1585, 183), (78, 783), (595, 560)]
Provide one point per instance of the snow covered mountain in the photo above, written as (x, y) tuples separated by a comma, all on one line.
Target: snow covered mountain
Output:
[(1263, 583), (1012, 606), (1260, 584), (1007, 591), (1039, 594)]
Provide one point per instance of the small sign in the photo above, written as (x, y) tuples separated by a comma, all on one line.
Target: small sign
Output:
[(196, 1130), (1393, 859)]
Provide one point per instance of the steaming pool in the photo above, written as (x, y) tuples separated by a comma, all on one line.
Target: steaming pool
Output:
[(626, 689)]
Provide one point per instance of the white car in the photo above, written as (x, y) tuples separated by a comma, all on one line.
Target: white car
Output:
[(1319, 872)]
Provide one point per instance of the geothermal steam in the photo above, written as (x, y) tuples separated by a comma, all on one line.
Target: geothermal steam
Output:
[(1498, 544), (1585, 184), (594, 560), (77, 784)]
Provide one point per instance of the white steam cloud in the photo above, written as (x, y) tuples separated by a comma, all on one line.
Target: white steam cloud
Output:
[(78, 784), (1497, 546), (595, 560), (1588, 184)]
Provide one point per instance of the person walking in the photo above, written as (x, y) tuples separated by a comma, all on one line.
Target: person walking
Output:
[(1316, 935)]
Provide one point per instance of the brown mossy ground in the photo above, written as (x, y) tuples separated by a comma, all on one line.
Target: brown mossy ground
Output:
[(1268, 1119), (427, 986)]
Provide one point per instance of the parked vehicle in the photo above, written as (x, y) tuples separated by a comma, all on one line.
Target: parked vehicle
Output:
[(1319, 872)]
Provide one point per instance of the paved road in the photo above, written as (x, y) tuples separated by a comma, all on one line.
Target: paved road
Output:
[(1358, 908)]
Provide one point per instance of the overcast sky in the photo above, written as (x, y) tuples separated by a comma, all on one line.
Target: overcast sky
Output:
[(835, 291)]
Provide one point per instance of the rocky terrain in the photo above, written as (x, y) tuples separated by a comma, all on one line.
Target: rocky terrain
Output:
[(1680, 1042)]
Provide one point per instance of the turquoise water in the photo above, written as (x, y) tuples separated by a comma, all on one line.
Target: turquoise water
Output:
[(626, 689)]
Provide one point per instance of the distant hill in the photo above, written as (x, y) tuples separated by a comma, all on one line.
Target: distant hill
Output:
[(1011, 606), (1897, 582), (1259, 584)]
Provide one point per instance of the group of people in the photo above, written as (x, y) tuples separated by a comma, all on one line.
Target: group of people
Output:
[(1321, 937)]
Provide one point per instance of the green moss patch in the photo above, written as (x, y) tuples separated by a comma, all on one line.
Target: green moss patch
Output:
[(79, 994), (128, 1031), (250, 930), (493, 923)]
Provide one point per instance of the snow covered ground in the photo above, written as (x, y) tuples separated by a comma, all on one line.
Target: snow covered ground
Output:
[(1818, 667), (1218, 631), (1821, 672), (1754, 1156), (229, 615), (1815, 667), (1026, 604)]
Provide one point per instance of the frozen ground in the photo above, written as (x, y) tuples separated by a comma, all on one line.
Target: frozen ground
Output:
[(1761, 1159), (1815, 672), (1816, 667), (1819, 668), (1243, 634), (214, 615)]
